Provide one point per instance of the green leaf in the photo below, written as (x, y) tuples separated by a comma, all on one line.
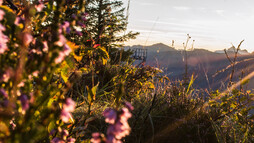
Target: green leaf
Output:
[(190, 84), (89, 95), (64, 76)]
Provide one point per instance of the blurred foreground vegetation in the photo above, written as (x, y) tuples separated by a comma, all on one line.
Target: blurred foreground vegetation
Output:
[(55, 52)]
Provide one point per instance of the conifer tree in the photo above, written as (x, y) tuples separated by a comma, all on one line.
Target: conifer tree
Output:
[(106, 24)]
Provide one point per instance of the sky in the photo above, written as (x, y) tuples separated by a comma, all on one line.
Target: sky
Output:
[(213, 24)]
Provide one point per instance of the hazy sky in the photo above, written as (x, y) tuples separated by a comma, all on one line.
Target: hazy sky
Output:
[(213, 24)]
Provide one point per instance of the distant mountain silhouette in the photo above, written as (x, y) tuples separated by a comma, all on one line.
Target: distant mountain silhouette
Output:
[(159, 47), (232, 50), (211, 69)]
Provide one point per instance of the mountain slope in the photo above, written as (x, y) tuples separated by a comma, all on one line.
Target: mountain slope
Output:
[(211, 69)]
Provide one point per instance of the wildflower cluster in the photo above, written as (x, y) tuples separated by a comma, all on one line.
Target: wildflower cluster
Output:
[(3, 38), (63, 138), (118, 125), (68, 106), (62, 42)]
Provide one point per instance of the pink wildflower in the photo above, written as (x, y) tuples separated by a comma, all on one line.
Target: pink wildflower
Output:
[(57, 140), (3, 92), (39, 7), (96, 138), (12, 124), (119, 127), (125, 114), (65, 116), (129, 106), (67, 50), (21, 84), (71, 140), (35, 73), (16, 22), (7, 75), (62, 54), (27, 39), (2, 13), (68, 106), (110, 115), (45, 46), (24, 102), (3, 40), (65, 133), (60, 58), (1, 2), (2, 28), (66, 26), (61, 41), (111, 139), (83, 18), (121, 130)]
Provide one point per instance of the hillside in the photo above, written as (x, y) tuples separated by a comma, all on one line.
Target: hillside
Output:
[(211, 69)]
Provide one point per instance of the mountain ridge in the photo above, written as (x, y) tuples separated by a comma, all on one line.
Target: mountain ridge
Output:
[(201, 62), (160, 47)]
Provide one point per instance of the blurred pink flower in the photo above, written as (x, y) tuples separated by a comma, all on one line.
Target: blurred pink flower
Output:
[(12, 124), (3, 92), (27, 39), (2, 28), (45, 46), (65, 133), (71, 140), (24, 102), (68, 106), (110, 115), (111, 139), (39, 7), (60, 58), (121, 130), (65, 116), (118, 128), (2, 13), (21, 84), (16, 22), (125, 115), (7, 75), (3, 40), (67, 50), (57, 140), (83, 18), (65, 26), (61, 41), (35, 73), (128, 105), (96, 138), (1, 2), (3, 48)]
